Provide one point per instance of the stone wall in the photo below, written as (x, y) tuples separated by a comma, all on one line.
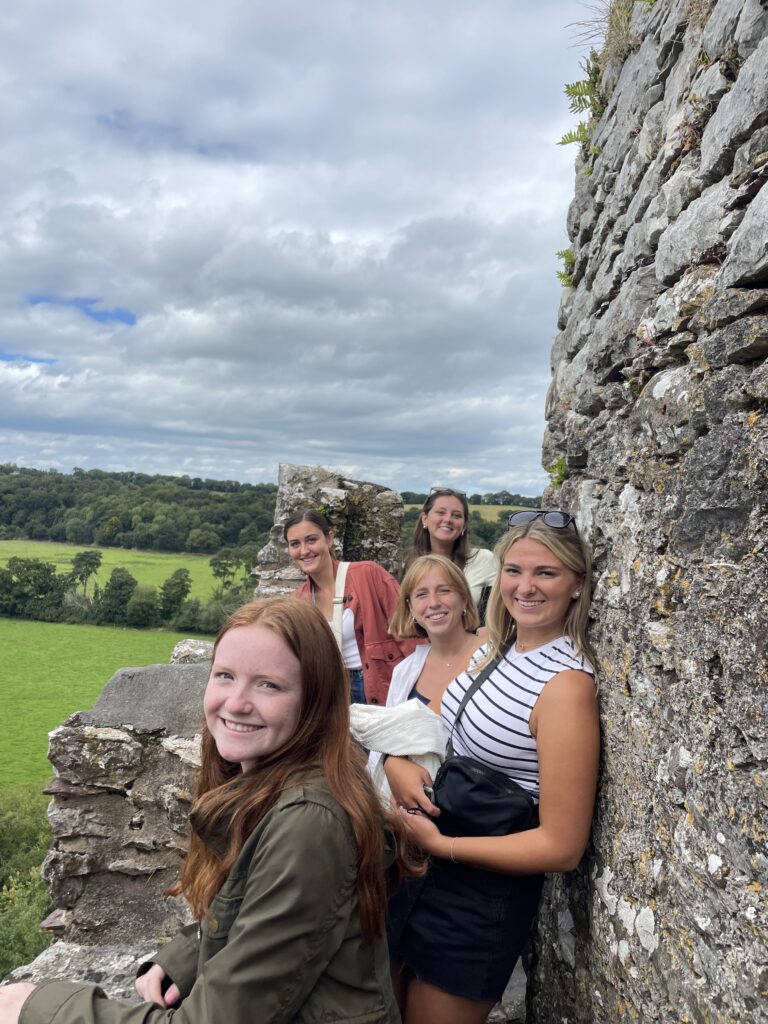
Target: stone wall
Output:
[(657, 416)]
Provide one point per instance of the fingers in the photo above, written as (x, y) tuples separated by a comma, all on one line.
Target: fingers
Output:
[(423, 802), (172, 995), (149, 986)]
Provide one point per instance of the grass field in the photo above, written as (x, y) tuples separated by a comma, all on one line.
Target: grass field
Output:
[(150, 568), (49, 670)]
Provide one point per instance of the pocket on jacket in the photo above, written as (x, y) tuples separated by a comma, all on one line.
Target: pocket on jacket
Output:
[(385, 651), (217, 924)]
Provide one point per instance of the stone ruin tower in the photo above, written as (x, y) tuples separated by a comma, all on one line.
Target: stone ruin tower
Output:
[(657, 424), (367, 520)]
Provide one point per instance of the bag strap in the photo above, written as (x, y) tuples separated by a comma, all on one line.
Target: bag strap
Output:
[(477, 682), (338, 603)]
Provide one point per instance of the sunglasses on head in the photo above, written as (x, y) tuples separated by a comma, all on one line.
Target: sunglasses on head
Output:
[(447, 491), (556, 519)]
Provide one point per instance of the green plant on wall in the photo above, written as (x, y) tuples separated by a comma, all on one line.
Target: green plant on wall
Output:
[(585, 97), (558, 471), (565, 276)]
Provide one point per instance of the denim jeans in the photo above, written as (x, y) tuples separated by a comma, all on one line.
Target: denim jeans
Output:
[(356, 688)]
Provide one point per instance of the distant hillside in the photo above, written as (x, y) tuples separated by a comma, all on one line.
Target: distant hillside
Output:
[(133, 510)]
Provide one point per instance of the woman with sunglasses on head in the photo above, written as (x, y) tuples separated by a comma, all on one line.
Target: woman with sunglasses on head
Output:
[(443, 529), (289, 850), (356, 598), (534, 719)]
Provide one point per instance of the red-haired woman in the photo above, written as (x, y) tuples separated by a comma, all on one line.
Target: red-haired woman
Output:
[(286, 864)]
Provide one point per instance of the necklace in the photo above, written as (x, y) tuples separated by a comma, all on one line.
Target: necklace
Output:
[(521, 648), (449, 664)]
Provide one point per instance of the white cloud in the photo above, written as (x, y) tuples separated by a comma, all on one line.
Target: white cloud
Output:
[(334, 224)]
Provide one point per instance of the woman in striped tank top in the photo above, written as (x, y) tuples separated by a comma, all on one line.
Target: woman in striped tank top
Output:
[(535, 718)]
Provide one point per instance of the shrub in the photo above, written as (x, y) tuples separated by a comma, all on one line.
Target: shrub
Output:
[(143, 608), (24, 831), (24, 900)]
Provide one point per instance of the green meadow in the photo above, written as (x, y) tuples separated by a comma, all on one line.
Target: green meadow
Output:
[(48, 670), (150, 568)]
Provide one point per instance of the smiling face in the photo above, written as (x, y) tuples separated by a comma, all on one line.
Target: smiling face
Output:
[(253, 697), (309, 547), (436, 604), (445, 521), (537, 589)]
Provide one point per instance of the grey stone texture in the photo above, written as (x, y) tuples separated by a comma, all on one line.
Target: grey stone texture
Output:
[(367, 520), (112, 967), (125, 776), (658, 406)]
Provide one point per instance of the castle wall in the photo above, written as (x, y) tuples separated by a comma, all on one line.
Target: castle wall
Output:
[(657, 416)]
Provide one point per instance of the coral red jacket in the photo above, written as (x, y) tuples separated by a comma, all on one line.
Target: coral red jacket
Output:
[(371, 595)]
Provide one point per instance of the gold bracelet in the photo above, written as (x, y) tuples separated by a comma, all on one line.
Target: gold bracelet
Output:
[(453, 859)]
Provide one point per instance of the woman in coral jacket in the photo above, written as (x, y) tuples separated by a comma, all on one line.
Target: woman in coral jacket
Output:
[(362, 610), (286, 866)]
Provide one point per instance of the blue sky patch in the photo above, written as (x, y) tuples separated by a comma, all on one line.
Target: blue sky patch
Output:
[(22, 357), (87, 306)]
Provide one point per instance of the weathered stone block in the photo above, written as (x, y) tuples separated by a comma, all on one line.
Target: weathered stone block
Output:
[(103, 757), (696, 233), (743, 110), (747, 261), (742, 341)]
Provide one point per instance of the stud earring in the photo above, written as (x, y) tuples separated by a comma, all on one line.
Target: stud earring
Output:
[(577, 594)]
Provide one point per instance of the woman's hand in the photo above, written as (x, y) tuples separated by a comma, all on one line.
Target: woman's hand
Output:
[(407, 781), (425, 833), (150, 988), (12, 998)]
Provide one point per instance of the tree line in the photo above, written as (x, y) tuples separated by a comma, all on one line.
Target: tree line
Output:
[(31, 588), (133, 510), (137, 510), (490, 498)]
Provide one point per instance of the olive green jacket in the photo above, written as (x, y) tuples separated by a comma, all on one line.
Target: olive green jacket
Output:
[(281, 941)]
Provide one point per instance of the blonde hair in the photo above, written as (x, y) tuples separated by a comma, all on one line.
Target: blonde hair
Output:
[(573, 551), (402, 623)]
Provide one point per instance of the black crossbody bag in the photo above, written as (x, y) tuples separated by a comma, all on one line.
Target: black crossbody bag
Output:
[(476, 800)]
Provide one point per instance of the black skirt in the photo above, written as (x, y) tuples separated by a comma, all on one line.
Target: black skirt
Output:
[(462, 929)]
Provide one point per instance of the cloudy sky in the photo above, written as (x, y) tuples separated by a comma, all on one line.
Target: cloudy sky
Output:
[(248, 232)]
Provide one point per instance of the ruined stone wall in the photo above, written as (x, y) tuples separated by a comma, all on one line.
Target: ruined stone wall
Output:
[(657, 416), (367, 520)]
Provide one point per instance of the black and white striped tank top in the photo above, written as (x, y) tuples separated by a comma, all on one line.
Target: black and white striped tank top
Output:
[(493, 727)]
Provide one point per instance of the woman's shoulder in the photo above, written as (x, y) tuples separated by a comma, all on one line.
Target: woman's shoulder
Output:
[(563, 655), (303, 805), (481, 556), (370, 574), (405, 674)]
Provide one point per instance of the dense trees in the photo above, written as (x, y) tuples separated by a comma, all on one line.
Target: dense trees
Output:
[(490, 498), (133, 510), (230, 520), (31, 588)]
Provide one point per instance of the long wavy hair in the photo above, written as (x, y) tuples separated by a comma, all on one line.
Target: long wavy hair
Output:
[(230, 803), (402, 623), (421, 543), (573, 551)]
